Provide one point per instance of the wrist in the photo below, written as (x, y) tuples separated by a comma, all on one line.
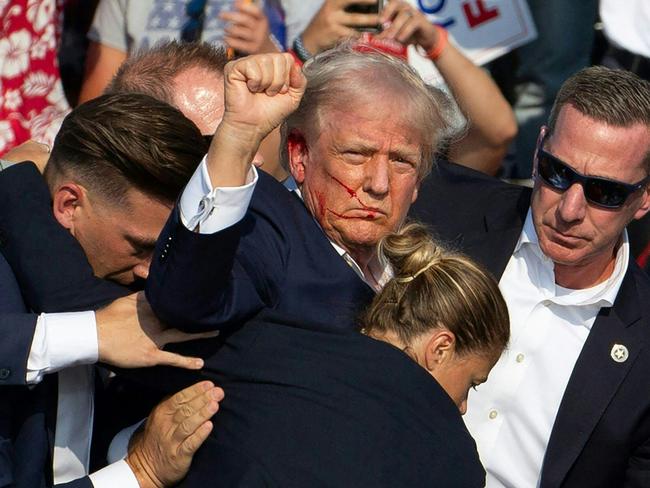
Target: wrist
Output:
[(442, 41), (301, 50), (141, 471)]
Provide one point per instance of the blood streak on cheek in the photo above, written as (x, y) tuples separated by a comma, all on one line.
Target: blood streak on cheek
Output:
[(353, 194)]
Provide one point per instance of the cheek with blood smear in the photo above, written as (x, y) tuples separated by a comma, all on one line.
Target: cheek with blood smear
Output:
[(353, 194)]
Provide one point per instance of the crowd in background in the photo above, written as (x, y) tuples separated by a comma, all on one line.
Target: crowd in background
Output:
[(293, 144)]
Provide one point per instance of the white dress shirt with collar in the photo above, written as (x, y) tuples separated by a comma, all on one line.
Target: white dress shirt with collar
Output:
[(512, 415), (67, 342)]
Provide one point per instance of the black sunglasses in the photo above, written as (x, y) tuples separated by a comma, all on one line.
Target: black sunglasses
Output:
[(193, 28), (597, 190)]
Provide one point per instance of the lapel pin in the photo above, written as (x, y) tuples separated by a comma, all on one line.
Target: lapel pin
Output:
[(619, 353)]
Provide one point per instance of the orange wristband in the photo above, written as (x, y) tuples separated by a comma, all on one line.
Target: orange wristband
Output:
[(443, 39)]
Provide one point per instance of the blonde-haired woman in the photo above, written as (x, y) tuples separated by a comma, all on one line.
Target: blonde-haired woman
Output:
[(441, 309)]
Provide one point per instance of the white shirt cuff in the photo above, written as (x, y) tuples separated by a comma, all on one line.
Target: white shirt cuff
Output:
[(116, 474), (62, 340), (214, 209)]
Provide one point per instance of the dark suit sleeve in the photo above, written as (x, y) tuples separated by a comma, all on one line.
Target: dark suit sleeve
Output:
[(16, 329), (51, 269), (80, 483), (203, 282)]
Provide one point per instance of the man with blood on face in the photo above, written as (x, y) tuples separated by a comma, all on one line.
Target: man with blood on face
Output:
[(357, 144)]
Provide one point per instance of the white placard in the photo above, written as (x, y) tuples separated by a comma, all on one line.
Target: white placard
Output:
[(482, 29)]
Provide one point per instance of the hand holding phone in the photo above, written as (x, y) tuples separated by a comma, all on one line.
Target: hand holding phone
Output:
[(338, 20)]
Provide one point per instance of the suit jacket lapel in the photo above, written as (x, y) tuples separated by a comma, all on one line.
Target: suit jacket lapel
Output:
[(493, 245), (593, 383)]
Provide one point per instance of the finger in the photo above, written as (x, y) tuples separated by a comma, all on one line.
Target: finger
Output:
[(240, 45), (240, 18), (188, 394), (192, 443), (389, 10), (188, 425), (407, 31), (166, 358), (240, 32), (297, 80), (403, 16), (251, 9), (280, 78), (189, 408), (267, 69)]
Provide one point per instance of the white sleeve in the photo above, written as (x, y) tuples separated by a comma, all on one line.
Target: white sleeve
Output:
[(211, 210), (62, 340), (113, 475), (109, 25)]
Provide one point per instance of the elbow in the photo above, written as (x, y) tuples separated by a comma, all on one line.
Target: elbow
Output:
[(503, 132)]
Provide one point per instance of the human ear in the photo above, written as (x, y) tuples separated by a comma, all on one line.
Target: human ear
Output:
[(66, 202), (542, 133), (439, 349), (645, 203), (298, 153), (415, 192)]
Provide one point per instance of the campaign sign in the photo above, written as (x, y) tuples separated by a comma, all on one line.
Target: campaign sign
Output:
[(482, 29)]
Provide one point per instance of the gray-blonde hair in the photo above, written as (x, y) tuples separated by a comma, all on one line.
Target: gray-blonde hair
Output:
[(337, 77)]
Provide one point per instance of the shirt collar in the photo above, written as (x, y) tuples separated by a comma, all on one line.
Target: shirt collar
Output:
[(603, 294)]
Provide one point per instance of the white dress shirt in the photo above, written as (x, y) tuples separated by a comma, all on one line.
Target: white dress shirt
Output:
[(512, 415), (67, 342)]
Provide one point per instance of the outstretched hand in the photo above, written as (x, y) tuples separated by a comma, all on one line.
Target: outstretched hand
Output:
[(130, 336), (248, 29), (161, 455), (332, 23)]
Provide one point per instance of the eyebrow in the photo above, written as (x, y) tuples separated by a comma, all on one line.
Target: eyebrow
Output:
[(141, 242)]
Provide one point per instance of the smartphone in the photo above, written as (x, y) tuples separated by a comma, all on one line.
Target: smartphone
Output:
[(364, 8)]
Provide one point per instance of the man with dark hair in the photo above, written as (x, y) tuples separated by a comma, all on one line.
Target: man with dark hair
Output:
[(567, 403), (116, 167)]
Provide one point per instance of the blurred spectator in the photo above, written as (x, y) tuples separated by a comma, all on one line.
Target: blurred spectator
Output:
[(627, 29), (536, 70), (491, 121), (122, 26), (32, 102)]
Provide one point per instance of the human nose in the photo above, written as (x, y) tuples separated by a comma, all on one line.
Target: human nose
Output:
[(377, 176), (141, 270), (573, 204), (463, 407)]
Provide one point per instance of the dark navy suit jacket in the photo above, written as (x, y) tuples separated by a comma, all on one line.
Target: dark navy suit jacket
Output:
[(329, 409), (309, 401), (39, 279), (601, 435)]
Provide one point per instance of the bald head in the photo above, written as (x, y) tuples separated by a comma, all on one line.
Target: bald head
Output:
[(188, 76)]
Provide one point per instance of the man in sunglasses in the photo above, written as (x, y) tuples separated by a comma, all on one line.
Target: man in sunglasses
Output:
[(568, 404)]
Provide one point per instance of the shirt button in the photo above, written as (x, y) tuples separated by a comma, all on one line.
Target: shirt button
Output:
[(4, 373), (519, 358), (493, 414)]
